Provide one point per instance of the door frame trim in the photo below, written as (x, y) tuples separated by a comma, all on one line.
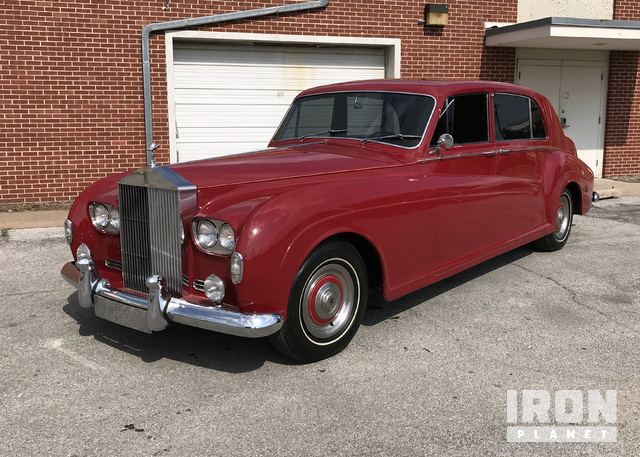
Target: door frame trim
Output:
[(392, 47)]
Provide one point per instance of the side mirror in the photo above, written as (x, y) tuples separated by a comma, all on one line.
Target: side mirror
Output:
[(445, 141)]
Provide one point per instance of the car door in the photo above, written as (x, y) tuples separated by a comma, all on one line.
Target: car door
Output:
[(465, 217), (521, 142)]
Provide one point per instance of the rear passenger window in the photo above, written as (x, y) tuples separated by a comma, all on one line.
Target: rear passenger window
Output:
[(512, 117), (465, 119), (517, 118)]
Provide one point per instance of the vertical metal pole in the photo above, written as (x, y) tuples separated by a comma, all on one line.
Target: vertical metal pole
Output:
[(194, 22)]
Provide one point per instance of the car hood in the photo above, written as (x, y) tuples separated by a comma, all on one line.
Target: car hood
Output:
[(271, 164)]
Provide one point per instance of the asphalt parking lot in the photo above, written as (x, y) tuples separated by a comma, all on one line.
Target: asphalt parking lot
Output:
[(426, 375)]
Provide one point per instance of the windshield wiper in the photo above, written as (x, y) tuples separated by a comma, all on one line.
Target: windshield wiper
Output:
[(395, 136), (331, 131)]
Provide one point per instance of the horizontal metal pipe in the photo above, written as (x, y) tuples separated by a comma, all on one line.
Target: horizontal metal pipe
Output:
[(195, 22)]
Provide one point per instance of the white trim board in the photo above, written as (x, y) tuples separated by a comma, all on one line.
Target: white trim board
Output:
[(392, 47)]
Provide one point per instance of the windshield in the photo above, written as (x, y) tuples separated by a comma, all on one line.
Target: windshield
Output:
[(399, 119)]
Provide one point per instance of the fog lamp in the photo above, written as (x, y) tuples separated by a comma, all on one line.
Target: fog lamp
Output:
[(214, 289)]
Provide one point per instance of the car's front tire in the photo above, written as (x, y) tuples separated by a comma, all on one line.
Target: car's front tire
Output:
[(564, 219), (326, 304)]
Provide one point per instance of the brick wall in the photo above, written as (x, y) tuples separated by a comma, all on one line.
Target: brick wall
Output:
[(622, 131), (70, 83)]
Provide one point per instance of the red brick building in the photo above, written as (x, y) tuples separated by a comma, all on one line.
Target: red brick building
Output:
[(71, 98)]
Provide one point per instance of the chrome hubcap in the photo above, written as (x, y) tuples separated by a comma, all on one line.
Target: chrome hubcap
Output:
[(563, 218), (329, 300)]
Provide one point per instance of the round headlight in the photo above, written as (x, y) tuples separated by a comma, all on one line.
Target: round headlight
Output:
[(100, 216), (114, 219), (227, 238), (214, 289), (207, 234)]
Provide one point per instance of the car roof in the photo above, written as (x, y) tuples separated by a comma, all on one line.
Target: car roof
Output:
[(435, 88)]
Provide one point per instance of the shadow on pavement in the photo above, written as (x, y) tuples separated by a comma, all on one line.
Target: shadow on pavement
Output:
[(380, 311), (184, 344), (239, 355)]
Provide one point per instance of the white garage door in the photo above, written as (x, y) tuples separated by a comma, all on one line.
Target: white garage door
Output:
[(231, 98)]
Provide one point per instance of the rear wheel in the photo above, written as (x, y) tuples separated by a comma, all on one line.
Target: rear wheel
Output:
[(327, 301), (564, 218)]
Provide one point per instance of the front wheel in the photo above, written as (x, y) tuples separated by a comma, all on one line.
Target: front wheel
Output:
[(327, 301), (564, 218)]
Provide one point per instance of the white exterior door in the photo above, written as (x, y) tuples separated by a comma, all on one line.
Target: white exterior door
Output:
[(576, 91), (230, 98)]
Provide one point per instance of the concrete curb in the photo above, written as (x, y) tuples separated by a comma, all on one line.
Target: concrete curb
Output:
[(608, 188), (33, 219), (34, 234)]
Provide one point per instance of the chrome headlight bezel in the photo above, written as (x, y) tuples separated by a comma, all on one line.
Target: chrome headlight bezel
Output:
[(111, 225), (218, 247)]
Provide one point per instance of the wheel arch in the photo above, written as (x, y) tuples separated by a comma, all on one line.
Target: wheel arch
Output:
[(367, 250), (576, 199)]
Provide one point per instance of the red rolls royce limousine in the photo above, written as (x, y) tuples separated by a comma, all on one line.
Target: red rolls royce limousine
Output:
[(391, 184)]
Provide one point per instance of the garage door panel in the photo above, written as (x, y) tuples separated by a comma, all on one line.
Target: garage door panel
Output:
[(207, 116), (196, 151), (231, 98), (264, 78), (225, 134), (244, 55)]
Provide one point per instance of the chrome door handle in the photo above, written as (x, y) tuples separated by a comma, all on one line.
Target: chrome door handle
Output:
[(490, 153), (503, 151)]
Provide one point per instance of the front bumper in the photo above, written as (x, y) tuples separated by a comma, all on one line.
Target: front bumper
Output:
[(153, 313)]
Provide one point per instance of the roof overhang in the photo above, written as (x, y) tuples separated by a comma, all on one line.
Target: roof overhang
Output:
[(567, 33)]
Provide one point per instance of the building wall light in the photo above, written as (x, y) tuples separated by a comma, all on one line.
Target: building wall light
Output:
[(436, 14)]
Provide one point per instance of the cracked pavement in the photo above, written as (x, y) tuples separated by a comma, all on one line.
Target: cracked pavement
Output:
[(426, 374)]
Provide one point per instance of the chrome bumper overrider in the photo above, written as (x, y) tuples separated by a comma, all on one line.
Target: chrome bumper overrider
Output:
[(153, 314)]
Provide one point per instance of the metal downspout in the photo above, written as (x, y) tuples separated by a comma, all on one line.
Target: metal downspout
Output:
[(194, 22)]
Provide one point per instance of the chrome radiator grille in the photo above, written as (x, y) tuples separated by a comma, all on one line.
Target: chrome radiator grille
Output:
[(150, 236)]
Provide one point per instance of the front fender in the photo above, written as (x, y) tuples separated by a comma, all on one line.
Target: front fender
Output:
[(282, 232)]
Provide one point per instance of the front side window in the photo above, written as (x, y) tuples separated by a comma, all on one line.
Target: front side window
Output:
[(465, 118), (393, 118), (517, 118)]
